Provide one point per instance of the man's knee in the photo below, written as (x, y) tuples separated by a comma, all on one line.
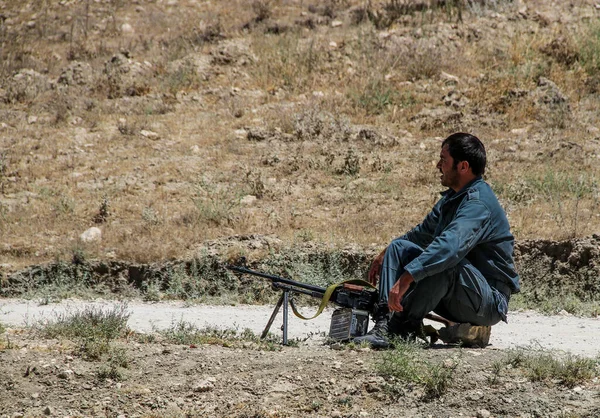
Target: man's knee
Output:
[(403, 250)]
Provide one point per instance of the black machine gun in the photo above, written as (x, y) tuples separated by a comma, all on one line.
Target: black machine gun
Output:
[(355, 299)]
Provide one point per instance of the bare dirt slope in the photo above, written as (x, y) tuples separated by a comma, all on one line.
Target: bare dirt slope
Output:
[(169, 123)]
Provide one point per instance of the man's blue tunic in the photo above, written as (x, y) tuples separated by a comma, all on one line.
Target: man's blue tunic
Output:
[(461, 258)]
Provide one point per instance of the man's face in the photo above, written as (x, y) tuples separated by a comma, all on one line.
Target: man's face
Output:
[(449, 177)]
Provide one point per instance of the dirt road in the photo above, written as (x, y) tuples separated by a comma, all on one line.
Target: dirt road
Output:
[(561, 332)]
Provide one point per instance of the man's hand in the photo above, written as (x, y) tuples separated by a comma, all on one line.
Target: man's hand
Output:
[(376, 268), (398, 291)]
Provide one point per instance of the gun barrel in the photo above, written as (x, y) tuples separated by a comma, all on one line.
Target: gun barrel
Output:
[(277, 279)]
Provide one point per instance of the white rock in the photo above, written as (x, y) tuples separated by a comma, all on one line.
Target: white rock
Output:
[(126, 28), (519, 131), (93, 234), (483, 413), (149, 134), (32, 119), (203, 386), (564, 313), (336, 23), (248, 200)]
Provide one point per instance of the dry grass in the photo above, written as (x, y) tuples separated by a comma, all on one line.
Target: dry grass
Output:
[(161, 131)]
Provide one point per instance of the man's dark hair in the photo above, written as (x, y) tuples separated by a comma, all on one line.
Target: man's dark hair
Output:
[(467, 147)]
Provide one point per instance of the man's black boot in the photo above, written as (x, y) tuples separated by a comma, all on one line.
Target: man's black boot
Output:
[(407, 329), (378, 336)]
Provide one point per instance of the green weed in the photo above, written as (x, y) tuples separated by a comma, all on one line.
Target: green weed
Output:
[(286, 61), (321, 269), (423, 63), (184, 78), (88, 322), (186, 333), (405, 364), (553, 305), (151, 217), (152, 290), (92, 327), (376, 97), (494, 377), (539, 365), (351, 166), (588, 49), (214, 205), (58, 281)]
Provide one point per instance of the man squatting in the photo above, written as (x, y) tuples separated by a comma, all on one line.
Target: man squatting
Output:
[(457, 263)]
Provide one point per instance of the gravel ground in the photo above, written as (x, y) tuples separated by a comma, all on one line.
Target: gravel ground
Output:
[(560, 332)]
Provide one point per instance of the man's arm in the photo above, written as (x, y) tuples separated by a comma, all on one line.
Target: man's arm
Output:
[(421, 235), (398, 290), (465, 231)]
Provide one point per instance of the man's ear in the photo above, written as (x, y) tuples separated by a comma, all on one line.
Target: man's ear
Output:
[(463, 166)]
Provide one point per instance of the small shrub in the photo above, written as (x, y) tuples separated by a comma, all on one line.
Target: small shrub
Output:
[(109, 372), (588, 50), (103, 212), (3, 170), (539, 365), (255, 184), (151, 217), (437, 380), (92, 327), (152, 290), (376, 97), (402, 363), (405, 364), (186, 333), (91, 322), (93, 349), (184, 78), (216, 206), (423, 63), (262, 10), (495, 375), (118, 357), (64, 206), (351, 165)]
